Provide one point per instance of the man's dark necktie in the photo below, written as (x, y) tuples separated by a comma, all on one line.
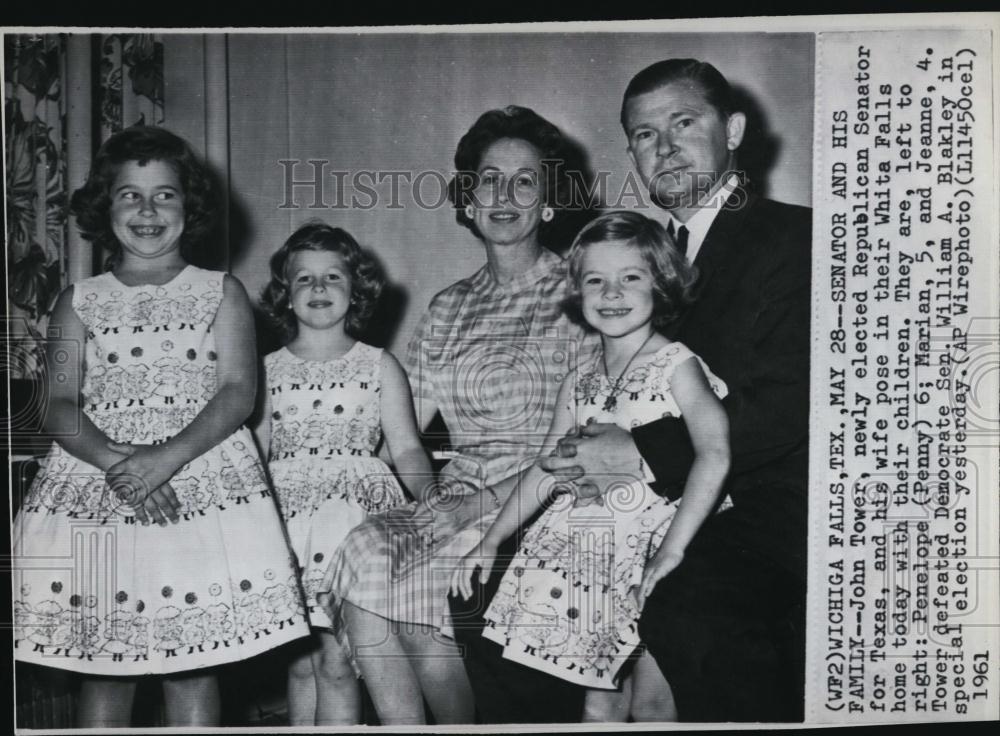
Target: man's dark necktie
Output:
[(680, 236)]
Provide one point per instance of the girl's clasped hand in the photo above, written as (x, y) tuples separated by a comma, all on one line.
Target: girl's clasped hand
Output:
[(141, 480)]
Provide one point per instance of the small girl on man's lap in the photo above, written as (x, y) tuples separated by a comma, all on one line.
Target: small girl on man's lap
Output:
[(329, 401), (570, 600)]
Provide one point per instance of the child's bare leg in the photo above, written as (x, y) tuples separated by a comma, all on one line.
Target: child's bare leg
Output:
[(391, 681), (192, 699), (106, 702), (652, 698), (437, 662), (608, 706), (301, 690), (338, 697)]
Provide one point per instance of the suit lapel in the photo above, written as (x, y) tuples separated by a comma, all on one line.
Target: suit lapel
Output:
[(714, 257)]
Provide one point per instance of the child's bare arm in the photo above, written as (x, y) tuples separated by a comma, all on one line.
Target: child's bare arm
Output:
[(522, 495), (399, 425), (64, 417), (428, 409), (708, 426), (262, 429)]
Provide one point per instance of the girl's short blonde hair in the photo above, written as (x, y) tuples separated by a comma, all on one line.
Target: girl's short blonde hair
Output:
[(673, 278)]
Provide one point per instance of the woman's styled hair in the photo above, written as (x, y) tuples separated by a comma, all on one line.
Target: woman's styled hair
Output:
[(520, 123), (91, 203), (366, 277), (673, 278)]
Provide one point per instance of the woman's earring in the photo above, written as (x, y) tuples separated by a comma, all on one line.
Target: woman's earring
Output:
[(547, 214), (469, 212)]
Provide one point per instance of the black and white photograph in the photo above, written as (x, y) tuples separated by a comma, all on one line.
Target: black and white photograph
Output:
[(622, 374)]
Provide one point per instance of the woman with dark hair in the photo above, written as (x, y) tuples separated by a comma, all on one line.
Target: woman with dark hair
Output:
[(489, 355)]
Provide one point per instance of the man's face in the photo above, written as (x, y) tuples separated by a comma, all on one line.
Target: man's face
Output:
[(680, 144)]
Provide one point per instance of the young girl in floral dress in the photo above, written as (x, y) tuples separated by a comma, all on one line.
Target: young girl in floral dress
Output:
[(149, 543), (570, 600), (330, 399)]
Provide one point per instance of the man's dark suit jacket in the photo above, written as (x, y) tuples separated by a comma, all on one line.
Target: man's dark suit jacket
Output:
[(750, 323)]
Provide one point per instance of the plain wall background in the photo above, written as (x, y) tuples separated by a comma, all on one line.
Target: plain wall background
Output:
[(402, 101)]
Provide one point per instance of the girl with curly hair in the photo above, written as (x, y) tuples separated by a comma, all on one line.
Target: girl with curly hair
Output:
[(153, 489), (329, 400)]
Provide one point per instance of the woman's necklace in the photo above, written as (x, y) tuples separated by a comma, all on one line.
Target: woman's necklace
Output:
[(611, 403)]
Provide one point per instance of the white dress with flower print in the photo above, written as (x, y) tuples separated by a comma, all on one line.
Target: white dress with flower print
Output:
[(96, 592), (325, 425), (564, 605)]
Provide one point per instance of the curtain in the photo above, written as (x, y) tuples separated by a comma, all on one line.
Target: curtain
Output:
[(127, 90), (36, 192), (139, 101)]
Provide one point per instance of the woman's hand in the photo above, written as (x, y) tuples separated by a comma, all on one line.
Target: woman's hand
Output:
[(662, 564), (482, 557), (141, 479)]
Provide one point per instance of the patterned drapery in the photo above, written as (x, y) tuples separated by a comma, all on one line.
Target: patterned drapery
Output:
[(139, 57), (36, 192), (37, 196)]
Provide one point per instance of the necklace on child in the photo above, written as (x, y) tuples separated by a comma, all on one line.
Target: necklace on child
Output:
[(611, 403)]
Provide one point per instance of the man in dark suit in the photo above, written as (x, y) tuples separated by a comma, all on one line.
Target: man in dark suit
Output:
[(727, 625)]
